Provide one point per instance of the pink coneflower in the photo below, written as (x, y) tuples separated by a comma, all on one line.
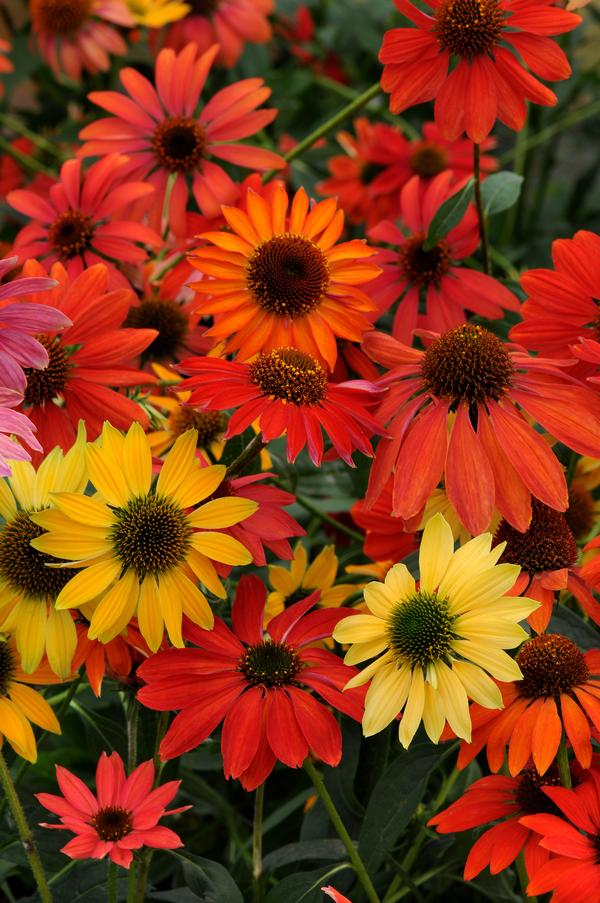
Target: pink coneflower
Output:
[(75, 35), (81, 220), (123, 815), (453, 410), (167, 134), (435, 277), (230, 23)]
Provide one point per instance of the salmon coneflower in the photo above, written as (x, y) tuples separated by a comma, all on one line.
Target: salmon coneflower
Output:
[(281, 280), (121, 817), (413, 275), (76, 36), (559, 692), (171, 138), (258, 684), (287, 392), (230, 23), (453, 410), (82, 219), (547, 554), (484, 39)]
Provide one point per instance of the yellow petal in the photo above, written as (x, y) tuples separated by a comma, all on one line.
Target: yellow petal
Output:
[(385, 697), (47, 477), (8, 507), (34, 707), (298, 565), (367, 673), (205, 571), (90, 544), (195, 605), (52, 519), (61, 641), (322, 572), (413, 712), (22, 483), (434, 718), (336, 595), (487, 585), (180, 466), (17, 729), (435, 553), (31, 633), (107, 476), (498, 663), (115, 610), (149, 613), (379, 599), (221, 547), (400, 582), (221, 513), (479, 686), (454, 701), (88, 583), (281, 579), (73, 468), (497, 632), (137, 461), (360, 652), (84, 510), (171, 608), (359, 629)]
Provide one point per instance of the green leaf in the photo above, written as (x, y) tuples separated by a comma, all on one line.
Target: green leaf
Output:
[(500, 191), (304, 887), (449, 215), (305, 850), (567, 622), (209, 880), (394, 800)]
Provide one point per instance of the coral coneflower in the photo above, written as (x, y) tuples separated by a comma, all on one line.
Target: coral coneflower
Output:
[(281, 280), (453, 410), (433, 281), (558, 691), (88, 362), (20, 705), (486, 39), (230, 23), (547, 553), (287, 392), (79, 35), (28, 586), (301, 580), (258, 684), (172, 139), (142, 545), (121, 817), (436, 646), (82, 219)]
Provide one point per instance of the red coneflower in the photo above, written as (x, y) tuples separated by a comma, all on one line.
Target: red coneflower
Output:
[(547, 553), (453, 410), (258, 684), (118, 658), (121, 817), (288, 392), (572, 838), (559, 691), (76, 35), (88, 361), (387, 538), (281, 280), (173, 140), (230, 23), (485, 39), (499, 797), (411, 273), (78, 219)]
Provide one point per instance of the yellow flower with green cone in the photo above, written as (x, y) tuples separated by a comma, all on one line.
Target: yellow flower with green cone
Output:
[(301, 579), (141, 543), (441, 643), (28, 587)]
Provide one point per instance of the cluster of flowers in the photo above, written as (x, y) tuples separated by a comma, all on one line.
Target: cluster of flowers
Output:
[(166, 304)]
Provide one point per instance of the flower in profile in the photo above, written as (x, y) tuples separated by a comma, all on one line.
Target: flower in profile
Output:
[(230, 23), (560, 313), (5, 64), (558, 691), (156, 13), (122, 816), (301, 580), (78, 35), (172, 139), (570, 834), (142, 544), (82, 219), (287, 392), (117, 659), (20, 705), (28, 586), (485, 41), (453, 410), (258, 684), (433, 281), (335, 895), (88, 362), (498, 797), (279, 280), (546, 553), (436, 646)]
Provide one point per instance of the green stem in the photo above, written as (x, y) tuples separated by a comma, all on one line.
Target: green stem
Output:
[(25, 161), (112, 882), (131, 882), (523, 878), (48, 147), (252, 451), (27, 839), (562, 760), (561, 125), (257, 841), (338, 824), (480, 211), (513, 214), (133, 715), (353, 107), (350, 94), (322, 515)]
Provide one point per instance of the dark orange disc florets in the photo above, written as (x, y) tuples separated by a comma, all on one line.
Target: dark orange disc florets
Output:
[(423, 267), (270, 664), (551, 664), (209, 424), (59, 17), (530, 797), (44, 385), (428, 160), (179, 144), (290, 375), (580, 515), (469, 364), (112, 823), (469, 27), (71, 234), (288, 275), (548, 544), (168, 319)]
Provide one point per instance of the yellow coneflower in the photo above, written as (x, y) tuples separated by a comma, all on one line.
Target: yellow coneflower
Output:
[(156, 13), (301, 579)]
